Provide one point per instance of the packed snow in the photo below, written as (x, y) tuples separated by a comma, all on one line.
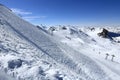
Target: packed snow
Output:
[(29, 52), (86, 41)]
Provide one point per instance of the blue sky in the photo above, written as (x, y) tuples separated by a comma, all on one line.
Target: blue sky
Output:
[(67, 12)]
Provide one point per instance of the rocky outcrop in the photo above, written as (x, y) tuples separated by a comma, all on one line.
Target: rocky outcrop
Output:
[(104, 33), (14, 63)]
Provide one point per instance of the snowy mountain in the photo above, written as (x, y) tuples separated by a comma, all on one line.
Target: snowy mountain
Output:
[(103, 51), (29, 52)]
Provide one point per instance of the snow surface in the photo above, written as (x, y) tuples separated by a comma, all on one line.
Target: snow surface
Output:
[(91, 45), (75, 53)]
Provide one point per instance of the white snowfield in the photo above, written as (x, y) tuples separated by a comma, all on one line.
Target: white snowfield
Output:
[(31, 53)]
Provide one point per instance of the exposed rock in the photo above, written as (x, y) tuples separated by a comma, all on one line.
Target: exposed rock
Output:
[(64, 28), (92, 29), (15, 63), (104, 33), (52, 28)]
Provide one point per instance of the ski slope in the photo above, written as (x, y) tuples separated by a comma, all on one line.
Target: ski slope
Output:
[(31, 53), (87, 42)]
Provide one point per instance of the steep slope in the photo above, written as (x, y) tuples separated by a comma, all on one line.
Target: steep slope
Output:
[(36, 55), (13, 48), (16, 31)]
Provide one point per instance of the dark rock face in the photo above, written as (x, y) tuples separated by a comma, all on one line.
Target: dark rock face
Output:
[(15, 63), (52, 28), (104, 33), (107, 34), (92, 29), (64, 28)]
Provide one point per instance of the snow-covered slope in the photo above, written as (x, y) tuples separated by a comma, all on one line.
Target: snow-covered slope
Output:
[(86, 41), (28, 52), (4, 76), (28, 47)]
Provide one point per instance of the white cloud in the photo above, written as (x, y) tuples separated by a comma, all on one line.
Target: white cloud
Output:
[(34, 17), (20, 11), (29, 16)]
